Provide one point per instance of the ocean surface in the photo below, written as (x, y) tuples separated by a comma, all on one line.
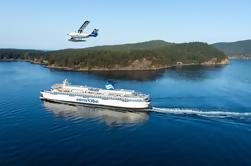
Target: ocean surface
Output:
[(200, 116)]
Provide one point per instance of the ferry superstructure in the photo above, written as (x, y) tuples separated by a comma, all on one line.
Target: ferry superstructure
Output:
[(109, 97)]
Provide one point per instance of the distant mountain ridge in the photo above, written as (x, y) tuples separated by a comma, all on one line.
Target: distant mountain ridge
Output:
[(236, 49)]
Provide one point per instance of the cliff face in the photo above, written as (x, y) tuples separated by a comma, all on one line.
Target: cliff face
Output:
[(215, 61)]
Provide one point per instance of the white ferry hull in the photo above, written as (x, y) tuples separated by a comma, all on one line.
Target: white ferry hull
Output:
[(65, 98)]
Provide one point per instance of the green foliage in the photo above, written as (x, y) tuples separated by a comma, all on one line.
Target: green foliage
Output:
[(235, 48), (159, 52)]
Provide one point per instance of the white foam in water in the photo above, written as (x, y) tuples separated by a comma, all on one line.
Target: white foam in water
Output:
[(218, 114)]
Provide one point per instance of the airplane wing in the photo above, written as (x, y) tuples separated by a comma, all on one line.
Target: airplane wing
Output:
[(83, 26)]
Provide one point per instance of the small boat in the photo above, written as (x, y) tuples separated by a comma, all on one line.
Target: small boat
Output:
[(109, 97)]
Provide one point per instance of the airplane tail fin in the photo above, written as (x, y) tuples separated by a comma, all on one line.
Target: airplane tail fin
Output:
[(94, 33)]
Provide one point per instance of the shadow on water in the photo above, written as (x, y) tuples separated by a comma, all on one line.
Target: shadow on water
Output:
[(195, 72), (130, 75), (121, 75), (182, 72), (110, 117)]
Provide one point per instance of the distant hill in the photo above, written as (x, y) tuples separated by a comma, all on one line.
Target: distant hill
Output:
[(141, 46), (9, 53), (235, 49), (150, 55)]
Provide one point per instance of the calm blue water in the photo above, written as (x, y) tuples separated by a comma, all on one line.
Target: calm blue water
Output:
[(201, 116)]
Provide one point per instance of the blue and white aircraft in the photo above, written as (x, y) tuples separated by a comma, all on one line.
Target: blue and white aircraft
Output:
[(80, 35)]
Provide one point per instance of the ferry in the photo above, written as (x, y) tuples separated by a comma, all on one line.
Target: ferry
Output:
[(109, 97)]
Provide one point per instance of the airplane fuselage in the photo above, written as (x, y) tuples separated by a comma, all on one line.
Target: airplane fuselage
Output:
[(79, 35)]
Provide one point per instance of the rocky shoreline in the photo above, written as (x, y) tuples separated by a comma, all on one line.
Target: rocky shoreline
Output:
[(137, 65), (143, 65), (240, 57)]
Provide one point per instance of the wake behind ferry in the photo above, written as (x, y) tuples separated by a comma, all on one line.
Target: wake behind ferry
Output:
[(109, 97)]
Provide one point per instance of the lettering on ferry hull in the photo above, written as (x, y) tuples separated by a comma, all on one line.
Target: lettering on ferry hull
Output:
[(88, 100)]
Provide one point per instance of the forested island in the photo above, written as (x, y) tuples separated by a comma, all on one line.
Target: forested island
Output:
[(151, 55)]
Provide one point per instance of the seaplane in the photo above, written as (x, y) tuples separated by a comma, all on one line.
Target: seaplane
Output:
[(80, 35)]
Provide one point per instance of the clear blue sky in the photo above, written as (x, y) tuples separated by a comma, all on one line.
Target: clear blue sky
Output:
[(44, 24)]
